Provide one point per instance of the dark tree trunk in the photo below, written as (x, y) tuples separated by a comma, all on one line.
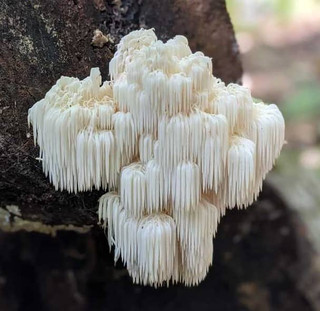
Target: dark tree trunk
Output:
[(42, 40), (257, 252)]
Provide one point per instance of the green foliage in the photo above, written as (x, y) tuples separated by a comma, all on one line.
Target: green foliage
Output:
[(284, 9), (304, 103)]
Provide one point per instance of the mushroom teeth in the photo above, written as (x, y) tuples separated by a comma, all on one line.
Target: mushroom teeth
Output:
[(173, 145)]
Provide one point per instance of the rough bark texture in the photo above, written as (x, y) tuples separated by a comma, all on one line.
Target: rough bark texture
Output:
[(260, 263), (43, 40), (258, 257)]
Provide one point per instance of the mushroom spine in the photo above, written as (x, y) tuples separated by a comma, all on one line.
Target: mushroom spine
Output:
[(172, 145)]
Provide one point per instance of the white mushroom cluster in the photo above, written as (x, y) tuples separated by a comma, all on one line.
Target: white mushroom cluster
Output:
[(173, 145)]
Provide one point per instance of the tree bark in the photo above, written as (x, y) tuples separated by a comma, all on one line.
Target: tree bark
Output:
[(53, 256), (43, 40)]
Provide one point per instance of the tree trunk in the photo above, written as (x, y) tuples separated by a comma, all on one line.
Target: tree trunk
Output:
[(53, 256)]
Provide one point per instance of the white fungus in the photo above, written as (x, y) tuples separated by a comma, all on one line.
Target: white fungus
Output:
[(174, 146)]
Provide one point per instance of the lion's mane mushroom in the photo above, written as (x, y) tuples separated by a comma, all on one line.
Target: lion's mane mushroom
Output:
[(174, 146)]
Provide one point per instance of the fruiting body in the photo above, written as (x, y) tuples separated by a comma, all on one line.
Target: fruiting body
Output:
[(173, 144)]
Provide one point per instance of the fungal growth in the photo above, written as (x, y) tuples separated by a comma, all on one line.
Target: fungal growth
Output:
[(172, 145)]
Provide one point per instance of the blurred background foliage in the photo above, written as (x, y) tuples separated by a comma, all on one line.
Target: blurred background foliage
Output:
[(280, 45), (279, 41)]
